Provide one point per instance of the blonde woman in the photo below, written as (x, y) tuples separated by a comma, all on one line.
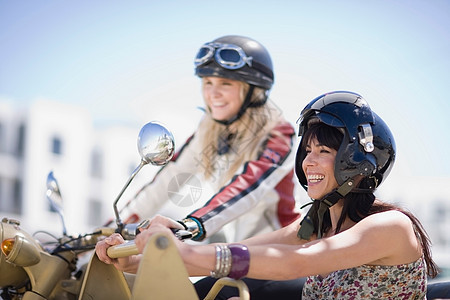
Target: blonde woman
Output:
[(233, 178)]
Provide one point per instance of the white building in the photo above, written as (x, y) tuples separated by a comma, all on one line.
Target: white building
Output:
[(90, 164)]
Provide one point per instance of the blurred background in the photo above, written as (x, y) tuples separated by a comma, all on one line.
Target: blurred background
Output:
[(79, 79)]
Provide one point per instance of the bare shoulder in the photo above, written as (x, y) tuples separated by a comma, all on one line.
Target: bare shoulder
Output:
[(392, 228), (390, 224), (388, 218), (386, 225)]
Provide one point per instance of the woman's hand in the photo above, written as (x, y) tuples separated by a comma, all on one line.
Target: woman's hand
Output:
[(125, 264), (154, 228), (131, 263), (165, 221), (156, 225)]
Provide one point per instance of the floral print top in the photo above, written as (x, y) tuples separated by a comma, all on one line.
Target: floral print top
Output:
[(407, 281)]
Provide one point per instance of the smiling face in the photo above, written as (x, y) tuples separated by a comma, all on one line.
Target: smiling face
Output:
[(318, 167), (223, 97)]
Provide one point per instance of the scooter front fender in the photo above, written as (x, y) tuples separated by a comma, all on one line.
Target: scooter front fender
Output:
[(103, 282)]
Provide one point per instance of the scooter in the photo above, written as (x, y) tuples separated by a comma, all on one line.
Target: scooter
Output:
[(34, 270)]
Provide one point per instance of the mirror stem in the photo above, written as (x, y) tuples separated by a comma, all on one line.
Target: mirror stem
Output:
[(116, 211), (63, 224)]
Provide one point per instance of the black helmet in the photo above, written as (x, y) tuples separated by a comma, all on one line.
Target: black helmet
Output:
[(236, 57), (367, 148)]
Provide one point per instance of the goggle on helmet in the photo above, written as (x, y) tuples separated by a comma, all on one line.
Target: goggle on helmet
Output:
[(236, 57), (368, 147)]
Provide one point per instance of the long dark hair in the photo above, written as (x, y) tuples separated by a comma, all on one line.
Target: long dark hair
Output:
[(360, 204)]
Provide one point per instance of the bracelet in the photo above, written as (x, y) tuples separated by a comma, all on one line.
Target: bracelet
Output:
[(218, 258), (227, 262), (232, 261), (223, 262), (240, 261)]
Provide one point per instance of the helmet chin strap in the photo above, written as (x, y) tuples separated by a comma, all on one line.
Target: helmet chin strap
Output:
[(330, 199), (243, 108)]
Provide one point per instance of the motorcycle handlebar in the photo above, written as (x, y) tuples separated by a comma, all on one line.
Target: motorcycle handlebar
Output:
[(129, 231), (129, 248), (107, 231), (122, 250)]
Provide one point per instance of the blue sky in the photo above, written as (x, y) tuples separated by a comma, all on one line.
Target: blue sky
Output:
[(130, 62)]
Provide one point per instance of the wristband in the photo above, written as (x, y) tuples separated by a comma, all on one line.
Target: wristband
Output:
[(240, 257)]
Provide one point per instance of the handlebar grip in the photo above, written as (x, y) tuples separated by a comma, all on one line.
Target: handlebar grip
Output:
[(107, 231), (122, 250)]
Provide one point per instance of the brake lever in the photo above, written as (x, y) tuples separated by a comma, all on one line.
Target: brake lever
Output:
[(181, 234)]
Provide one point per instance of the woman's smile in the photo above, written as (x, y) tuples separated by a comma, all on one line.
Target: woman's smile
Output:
[(318, 166), (222, 96)]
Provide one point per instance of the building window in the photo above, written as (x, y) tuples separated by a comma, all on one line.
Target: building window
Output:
[(94, 211), (11, 196), (21, 141), (17, 197), (440, 214), (96, 164), (2, 138), (56, 146)]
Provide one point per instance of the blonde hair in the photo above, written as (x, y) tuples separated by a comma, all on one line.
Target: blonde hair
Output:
[(249, 132)]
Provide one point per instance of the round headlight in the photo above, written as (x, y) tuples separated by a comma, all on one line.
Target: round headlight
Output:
[(10, 275)]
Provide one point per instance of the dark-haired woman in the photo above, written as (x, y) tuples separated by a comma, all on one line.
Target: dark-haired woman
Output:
[(350, 245)]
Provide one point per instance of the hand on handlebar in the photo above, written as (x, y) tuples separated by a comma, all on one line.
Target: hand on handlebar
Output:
[(166, 222), (125, 264), (122, 254), (160, 224), (173, 225)]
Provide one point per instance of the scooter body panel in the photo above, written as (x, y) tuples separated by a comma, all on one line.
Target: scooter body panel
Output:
[(103, 281)]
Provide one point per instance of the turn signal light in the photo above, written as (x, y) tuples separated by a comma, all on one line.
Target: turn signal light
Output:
[(20, 251), (7, 246)]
